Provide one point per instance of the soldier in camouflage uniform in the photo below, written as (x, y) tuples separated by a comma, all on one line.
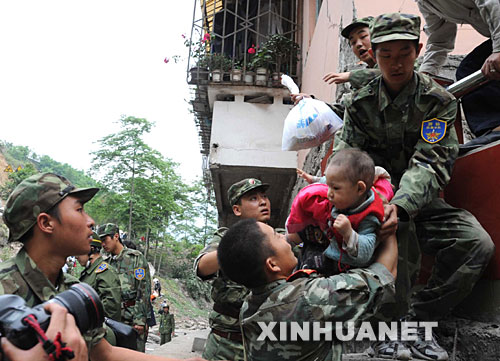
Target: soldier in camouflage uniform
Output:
[(404, 121), (103, 279), (133, 270), (45, 213), (253, 254), (248, 200), (167, 324)]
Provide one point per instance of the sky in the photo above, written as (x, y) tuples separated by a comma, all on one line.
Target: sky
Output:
[(69, 70)]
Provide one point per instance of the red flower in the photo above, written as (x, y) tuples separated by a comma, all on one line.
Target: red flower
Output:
[(251, 50), (166, 60), (206, 37)]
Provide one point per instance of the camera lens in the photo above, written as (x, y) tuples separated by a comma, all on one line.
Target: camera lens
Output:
[(84, 304)]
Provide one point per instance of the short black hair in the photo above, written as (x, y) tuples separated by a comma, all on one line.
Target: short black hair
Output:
[(414, 42), (242, 253), (357, 165), (53, 212)]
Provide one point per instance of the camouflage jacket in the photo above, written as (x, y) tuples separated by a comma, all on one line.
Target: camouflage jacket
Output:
[(21, 276), (167, 323), (226, 294), (348, 297), (106, 282), (133, 271), (392, 133)]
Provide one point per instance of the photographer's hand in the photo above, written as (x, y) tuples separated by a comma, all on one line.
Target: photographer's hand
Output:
[(60, 321)]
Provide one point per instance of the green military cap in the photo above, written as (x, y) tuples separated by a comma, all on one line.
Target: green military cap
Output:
[(96, 240), (35, 195), (366, 21), (108, 229), (395, 26), (243, 186)]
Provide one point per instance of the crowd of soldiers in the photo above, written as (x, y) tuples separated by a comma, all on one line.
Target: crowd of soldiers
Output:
[(252, 265), (390, 116)]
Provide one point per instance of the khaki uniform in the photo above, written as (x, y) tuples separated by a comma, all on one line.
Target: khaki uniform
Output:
[(106, 282)]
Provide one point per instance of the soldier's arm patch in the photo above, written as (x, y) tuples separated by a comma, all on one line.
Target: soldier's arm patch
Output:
[(102, 267), (433, 130), (139, 273)]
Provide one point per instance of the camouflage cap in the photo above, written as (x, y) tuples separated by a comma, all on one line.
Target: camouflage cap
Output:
[(366, 21), (35, 195), (243, 186), (395, 26), (108, 229), (96, 240)]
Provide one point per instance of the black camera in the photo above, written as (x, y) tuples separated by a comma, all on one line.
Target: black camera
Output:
[(80, 300)]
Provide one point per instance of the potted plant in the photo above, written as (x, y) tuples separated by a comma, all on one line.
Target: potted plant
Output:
[(236, 72), (284, 54), (260, 64), (198, 52), (218, 64)]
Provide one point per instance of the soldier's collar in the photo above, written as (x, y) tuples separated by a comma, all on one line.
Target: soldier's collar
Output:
[(267, 287), (401, 99)]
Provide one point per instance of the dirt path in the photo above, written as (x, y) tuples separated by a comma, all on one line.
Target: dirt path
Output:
[(179, 347)]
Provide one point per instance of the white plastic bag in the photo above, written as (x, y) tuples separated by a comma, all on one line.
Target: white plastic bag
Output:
[(309, 123)]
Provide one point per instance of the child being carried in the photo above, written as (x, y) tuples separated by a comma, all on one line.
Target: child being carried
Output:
[(347, 208)]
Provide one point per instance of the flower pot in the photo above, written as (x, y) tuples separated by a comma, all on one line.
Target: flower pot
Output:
[(198, 75), (249, 75), (217, 75), (261, 76), (276, 79), (236, 75)]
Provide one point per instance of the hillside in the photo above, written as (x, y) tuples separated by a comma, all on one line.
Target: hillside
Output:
[(182, 290)]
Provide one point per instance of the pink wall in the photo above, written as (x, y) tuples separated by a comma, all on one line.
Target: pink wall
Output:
[(321, 49)]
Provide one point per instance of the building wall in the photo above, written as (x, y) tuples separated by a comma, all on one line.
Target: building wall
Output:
[(322, 50)]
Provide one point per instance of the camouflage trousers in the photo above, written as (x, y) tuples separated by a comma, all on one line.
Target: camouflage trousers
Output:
[(141, 342), (462, 250), (220, 348), (165, 337)]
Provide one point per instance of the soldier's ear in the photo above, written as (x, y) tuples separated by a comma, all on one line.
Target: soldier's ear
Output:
[(272, 265), (237, 210), (45, 223)]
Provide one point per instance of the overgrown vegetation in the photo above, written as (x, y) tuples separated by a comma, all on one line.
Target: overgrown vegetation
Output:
[(141, 191)]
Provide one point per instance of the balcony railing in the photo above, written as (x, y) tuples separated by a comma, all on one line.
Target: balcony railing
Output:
[(229, 33), (219, 46)]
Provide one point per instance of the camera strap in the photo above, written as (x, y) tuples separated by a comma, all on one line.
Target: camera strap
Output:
[(57, 349)]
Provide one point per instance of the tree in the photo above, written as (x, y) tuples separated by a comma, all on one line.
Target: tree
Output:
[(197, 223), (15, 178), (139, 176)]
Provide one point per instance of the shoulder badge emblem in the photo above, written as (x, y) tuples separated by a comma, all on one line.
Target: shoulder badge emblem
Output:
[(102, 267), (433, 130), (139, 273)]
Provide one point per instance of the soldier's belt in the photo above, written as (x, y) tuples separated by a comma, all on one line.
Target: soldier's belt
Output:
[(129, 303), (227, 310), (233, 336)]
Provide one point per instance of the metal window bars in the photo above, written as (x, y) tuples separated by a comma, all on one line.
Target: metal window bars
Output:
[(234, 26)]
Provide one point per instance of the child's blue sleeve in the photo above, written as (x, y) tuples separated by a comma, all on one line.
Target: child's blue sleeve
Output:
[(363, 243)]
